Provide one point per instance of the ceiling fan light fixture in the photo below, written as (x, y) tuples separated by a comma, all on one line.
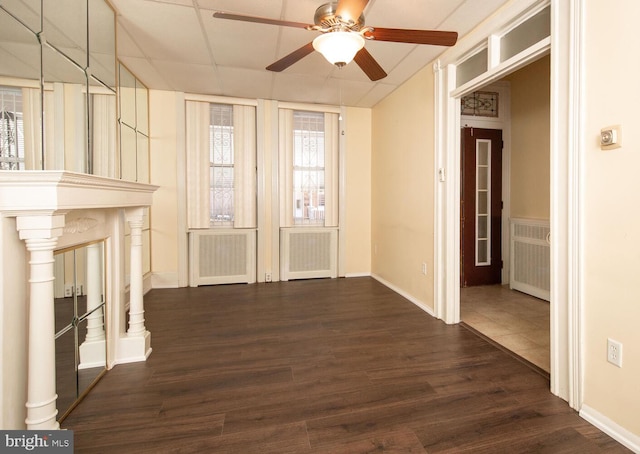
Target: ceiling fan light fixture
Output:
[(339, 47)]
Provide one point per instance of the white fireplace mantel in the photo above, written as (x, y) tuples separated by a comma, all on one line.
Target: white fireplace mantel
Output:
[(50, 208), (43, 191)]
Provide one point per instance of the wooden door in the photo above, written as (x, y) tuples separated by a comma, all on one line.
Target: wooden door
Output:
[(481, 207)]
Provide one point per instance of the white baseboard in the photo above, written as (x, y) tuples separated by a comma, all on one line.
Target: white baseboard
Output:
[(421, 304), (133, 349), (358, 275), (615, 431), (146, 284), (164, 280)]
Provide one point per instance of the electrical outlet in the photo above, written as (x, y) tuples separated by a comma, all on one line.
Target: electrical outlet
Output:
[(614, 352), (267, 277), (79, 290), (68, 291), (424, 269)]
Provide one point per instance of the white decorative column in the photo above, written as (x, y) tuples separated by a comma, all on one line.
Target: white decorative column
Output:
[(92, 350), (40, 233), (136, 346)]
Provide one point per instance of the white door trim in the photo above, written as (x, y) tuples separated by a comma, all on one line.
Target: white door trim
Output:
[(566, 128)]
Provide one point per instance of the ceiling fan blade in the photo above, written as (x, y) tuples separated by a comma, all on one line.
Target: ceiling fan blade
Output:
[(369, 65), (350, 9), (258, 20), (292, 58), (400, 35)]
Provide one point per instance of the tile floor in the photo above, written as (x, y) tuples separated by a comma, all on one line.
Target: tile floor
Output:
[(515, 320)]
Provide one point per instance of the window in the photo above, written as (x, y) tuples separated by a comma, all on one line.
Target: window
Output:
[(221, 164), (308, 168), (11, 129)]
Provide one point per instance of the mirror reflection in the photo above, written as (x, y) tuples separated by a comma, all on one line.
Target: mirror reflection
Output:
[(65, 28), (102, 45), (133, 121), (79, 289), (77, 47)]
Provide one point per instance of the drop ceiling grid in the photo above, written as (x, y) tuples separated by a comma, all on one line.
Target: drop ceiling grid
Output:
[(170, 41)]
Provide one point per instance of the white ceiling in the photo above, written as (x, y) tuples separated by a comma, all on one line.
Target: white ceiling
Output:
[(178, 45)]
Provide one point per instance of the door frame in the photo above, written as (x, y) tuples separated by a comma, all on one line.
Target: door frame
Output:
[(503, 123), (566, 45)]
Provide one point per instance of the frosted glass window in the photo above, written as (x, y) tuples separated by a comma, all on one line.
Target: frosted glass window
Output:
[(483, 202), (482, 226), (483, 248), (471, 68), (526, 34)]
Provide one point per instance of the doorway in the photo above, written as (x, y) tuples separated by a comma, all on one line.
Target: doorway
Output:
[(517, 321)]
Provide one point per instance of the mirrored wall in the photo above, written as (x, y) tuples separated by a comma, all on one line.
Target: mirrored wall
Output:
[(133, 122), (80, 302), (58, 103)]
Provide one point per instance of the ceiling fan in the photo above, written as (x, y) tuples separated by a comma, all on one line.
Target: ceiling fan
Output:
[(343, 34)]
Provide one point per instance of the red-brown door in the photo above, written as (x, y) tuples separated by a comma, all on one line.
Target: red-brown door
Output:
[(481, 207)]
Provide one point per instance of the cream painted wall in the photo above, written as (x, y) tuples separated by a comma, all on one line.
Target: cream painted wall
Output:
[(164, 213), (358, 192), (402, 224), (611, 218), (164, 124), (530, 145)]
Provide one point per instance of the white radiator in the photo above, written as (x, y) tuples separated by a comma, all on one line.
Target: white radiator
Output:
[(308, 252), (222, 256), (530, 257)]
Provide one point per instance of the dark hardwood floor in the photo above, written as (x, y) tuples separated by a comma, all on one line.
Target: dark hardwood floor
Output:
[(320, 366)]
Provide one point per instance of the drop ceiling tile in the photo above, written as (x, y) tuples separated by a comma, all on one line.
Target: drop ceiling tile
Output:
[(389, 55), (377, 94), (241, 44), (269, 9), (164, 31), (290, 39), (174, 2), (341, 92), (297, 87), (201, 78), (413, 62), (245, 83), (413, 14), (469, 15), (302, 10)]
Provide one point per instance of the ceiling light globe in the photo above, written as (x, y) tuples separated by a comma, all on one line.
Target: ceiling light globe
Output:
[(339, 47)]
